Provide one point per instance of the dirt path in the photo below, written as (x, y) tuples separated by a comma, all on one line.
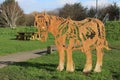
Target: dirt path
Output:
[(18, 57)]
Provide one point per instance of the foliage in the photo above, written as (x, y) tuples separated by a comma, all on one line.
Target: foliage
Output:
[(78, 12), (113, 11), (74, 11), (91, 12), (113, 30), (29, 20), (26, 20)]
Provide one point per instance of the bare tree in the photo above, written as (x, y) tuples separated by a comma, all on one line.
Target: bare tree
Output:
[(11, 12)]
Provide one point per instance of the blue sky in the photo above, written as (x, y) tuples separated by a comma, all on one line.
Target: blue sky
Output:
[(40, 5)]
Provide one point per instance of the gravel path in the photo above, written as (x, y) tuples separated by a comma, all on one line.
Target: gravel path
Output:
[(21, 56)]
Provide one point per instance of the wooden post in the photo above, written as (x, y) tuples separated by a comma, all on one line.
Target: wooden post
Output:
[(49, 50)]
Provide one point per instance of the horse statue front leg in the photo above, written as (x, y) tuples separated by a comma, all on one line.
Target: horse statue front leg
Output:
[(61, 56)]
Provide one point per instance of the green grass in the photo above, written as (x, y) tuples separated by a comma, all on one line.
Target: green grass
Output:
[(9, 45), (44, 68), (113, 30)]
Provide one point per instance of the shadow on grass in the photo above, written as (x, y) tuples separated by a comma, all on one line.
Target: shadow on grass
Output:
[(6, 62), (41, 52), (79, 69), (116, 75), (13, 39), (44, 66)]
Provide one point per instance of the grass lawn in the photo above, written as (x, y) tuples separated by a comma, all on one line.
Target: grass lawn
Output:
[(44, 68)]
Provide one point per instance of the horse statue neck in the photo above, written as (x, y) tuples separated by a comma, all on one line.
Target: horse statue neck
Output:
[(54, 24)]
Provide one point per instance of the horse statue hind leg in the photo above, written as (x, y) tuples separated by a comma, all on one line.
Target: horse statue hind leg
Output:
[(100, 54), (70, 64)]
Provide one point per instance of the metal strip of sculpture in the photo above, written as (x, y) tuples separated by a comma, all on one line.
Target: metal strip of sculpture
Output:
[(70, 35)]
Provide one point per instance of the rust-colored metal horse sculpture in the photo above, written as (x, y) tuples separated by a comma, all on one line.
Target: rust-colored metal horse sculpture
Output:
[(70, 35)]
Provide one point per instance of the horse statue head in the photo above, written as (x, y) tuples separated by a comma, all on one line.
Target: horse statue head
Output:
[(42, 22)]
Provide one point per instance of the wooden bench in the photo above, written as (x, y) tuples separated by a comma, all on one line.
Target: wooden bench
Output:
[(35, 36), (24, 35)]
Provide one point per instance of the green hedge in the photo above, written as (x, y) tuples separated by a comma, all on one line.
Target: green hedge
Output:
[(113, 30)]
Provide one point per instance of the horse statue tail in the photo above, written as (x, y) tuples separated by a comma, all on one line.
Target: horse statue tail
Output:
[(102, 34)]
